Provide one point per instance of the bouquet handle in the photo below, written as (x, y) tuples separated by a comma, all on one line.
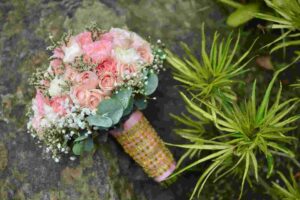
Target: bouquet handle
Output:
[(142, 143)]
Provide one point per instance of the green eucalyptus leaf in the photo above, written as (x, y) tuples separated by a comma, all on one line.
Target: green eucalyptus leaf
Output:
[(98, 120), (80, 138), (152, 83), (111, 108), (124, 96), (129, 108), (243, 14), (78, 148), (89, 145), (141, 103)]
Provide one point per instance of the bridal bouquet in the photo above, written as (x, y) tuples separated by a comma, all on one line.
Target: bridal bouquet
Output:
[(98, 81)]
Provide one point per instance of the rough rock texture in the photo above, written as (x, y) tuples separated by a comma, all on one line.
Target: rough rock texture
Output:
[(25, 172)]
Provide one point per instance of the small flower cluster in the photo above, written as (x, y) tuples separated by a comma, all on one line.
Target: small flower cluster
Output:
[(84, 71)]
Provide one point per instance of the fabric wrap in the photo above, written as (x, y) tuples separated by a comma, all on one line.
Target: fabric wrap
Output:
[(142, 143)]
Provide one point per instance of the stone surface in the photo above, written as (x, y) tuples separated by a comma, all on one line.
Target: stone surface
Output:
[(25, 172)]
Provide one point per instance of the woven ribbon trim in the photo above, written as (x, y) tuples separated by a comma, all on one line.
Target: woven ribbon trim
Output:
[(143, 144)]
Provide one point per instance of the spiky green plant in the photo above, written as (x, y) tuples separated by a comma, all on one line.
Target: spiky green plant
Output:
[(290, 190), (247, 131), (212, 78), (287, 19), (297, 84)]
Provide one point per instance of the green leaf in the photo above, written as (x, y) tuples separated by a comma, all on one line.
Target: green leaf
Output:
[(101, 121), (152, 83), (111, 108), (80, 138), (124, 96), (141, 103), (243, 14), (89, 144), (78, 148), (270, 161), (129, 108)]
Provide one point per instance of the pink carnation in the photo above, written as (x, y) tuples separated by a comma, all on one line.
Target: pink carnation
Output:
[(40, 102), (98, 51), (84, 38), (57, 104)]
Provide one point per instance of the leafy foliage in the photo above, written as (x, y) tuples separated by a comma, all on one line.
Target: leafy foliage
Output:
[(291, 191), (211, 78), (248, 130), (286, 18)]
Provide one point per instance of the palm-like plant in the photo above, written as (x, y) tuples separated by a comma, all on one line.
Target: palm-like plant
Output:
[(212, 78), (287, 19), (248, 131)]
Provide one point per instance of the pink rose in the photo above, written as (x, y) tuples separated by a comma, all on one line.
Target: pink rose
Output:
[(94, 98), (57, 104), (98, 51), (70, 74), (145, 52), (81, 94), (108, 65), (107, 82), (84, 38), (127, 69), (56, 66), (88, 79)]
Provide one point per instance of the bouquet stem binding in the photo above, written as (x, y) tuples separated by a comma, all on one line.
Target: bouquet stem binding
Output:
[(142, 143)]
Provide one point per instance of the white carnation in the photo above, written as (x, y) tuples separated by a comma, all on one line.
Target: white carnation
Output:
[(56, 87), (127, 56), (71, 51)]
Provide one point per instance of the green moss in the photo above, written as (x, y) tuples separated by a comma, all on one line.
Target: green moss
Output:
[(51, 23), (93, 11), (168, 20), (14, 21), (3, 157), (122, 187)]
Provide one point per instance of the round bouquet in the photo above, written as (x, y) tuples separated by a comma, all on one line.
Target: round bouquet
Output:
[(98, 81)]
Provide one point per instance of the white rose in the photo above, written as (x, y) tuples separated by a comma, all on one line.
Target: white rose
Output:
[(56, 87), (71, 51), (127, 56)]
